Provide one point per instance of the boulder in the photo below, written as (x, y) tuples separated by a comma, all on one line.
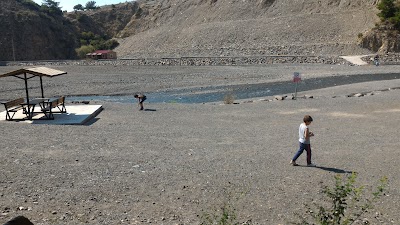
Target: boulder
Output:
[(19, 220)]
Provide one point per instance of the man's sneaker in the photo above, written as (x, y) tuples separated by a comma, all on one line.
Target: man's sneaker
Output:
[(293, 163), (311, 165)]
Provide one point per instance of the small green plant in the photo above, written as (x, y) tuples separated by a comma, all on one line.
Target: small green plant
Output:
[(224, 215), (229, 98), (346, 202), (360, 35)]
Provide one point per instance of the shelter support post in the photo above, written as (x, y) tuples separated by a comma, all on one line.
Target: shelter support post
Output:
[(26, 88), (41, 86)]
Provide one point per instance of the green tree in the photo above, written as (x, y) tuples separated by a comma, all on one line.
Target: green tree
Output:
[(79, 7), (51, 7), (91, 5), (97, 41), (83, 42), (109, 44), (388, 9), (87, 35), (83, 50), (30, 4)]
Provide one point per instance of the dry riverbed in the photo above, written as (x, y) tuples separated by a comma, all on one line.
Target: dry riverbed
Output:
[(175, 162)]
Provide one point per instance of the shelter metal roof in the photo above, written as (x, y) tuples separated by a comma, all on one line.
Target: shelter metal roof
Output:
[(37, 71), (34, 72)]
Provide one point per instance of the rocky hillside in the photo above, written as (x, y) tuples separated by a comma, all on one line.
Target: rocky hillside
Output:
[(171, 28), (108, 20), (247, 27), (382, 39), (28, 34)]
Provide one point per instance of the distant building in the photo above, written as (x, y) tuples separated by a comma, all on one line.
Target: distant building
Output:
[(102, 54)]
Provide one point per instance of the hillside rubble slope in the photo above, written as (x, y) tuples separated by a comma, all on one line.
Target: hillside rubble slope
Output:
[(173, 28)]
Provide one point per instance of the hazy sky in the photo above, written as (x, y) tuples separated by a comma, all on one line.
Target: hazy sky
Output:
[(69, 4)]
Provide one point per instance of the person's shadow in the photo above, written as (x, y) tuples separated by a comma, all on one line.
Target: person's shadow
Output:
[(151, 110), (335, 170), (330, 169)]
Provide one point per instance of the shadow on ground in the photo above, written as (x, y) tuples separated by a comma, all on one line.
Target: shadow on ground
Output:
[(330, 169), (335, 170)]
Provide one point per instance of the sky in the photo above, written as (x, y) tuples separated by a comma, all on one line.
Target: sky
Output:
[(69, 4)]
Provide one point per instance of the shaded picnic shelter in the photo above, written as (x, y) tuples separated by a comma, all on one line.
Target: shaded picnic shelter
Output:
[(28, 73), (77, 114)]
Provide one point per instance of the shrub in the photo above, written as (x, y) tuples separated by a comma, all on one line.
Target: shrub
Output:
[(226, 214), (395, 20), (109, 44), (87, 35), (82, 18), (229, 98), (346, 202), (387, 8), (96, 41), (83, 50)]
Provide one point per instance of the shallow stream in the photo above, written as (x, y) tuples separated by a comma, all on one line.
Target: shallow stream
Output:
[(243, 91)]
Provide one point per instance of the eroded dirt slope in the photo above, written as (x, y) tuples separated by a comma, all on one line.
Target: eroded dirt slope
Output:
[(247, 27)]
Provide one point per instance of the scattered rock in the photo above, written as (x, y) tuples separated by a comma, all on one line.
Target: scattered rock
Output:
[(279, 97), (358, 95), (80, 102), (19, 220)]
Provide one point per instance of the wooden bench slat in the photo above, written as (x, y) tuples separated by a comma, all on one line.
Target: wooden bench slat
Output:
[(55, 103), (12, 107)]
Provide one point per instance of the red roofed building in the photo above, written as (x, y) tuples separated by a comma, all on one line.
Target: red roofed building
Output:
[(102, 54)]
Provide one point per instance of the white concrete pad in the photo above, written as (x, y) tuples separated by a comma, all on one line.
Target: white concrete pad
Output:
[(76, 115), (356, 59)]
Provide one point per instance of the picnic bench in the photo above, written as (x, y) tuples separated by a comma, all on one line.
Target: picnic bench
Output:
[(56, 103), (12, 107)]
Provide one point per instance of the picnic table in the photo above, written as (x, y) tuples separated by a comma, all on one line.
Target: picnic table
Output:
[(47, 107), (29, 106)]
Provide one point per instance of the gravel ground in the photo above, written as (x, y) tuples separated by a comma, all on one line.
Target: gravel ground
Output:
[(172, 163), (127, 80)]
